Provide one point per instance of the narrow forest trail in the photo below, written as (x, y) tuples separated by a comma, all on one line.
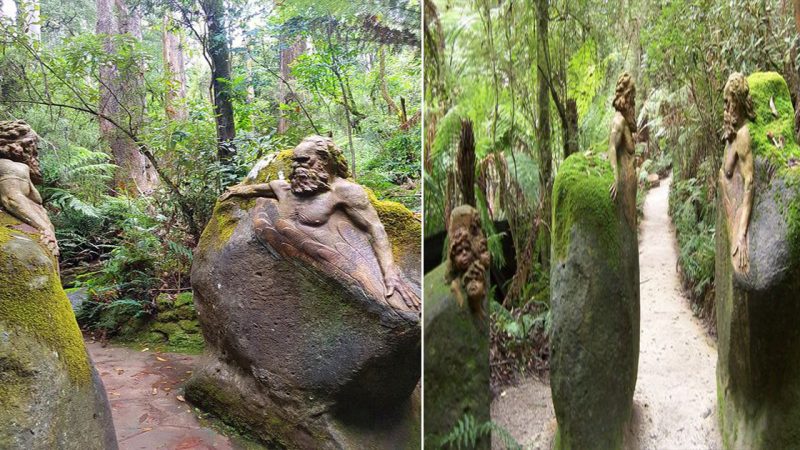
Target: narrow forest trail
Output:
[(147, 407), (675, 397)]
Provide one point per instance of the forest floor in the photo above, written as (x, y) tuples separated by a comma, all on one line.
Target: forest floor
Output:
[(675, 397), (144, 390)]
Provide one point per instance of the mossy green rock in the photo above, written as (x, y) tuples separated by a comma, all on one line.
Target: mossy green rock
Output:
[(758, 367), (50, 395), (293, 356), (595, 307), (456, 362)]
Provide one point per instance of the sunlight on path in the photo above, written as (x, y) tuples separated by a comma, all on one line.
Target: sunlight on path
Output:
[(143, 390), (675, 397)]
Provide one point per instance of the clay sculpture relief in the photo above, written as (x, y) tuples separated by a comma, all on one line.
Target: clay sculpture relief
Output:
[(308, 294), (736, 175), (50, 395), (19, 167), (468, 259), (317, 216), (756, 266), (594, 285), (457, 332), (621, 147)]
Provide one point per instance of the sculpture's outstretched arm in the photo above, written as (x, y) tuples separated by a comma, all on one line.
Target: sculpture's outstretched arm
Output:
[(28, 211), (614, 142), (248, 190), (730, 161), (357, 206), (747, 168)]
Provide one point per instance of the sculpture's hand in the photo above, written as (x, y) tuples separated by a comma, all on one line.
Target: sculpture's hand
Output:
[(50, 242), (613, 190), (395, 285), (231, 192), (740, 256)]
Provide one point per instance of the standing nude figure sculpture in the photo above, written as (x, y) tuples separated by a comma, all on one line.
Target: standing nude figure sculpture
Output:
[(736, 175), (318, 214), (19, 167), (621, 148)]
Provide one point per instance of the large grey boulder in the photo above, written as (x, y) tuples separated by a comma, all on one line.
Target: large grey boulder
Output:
[(294, 356), (50, 394), (595, 308)]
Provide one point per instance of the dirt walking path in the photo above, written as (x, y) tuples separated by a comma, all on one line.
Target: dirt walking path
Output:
[(675, 397), (146, 402)]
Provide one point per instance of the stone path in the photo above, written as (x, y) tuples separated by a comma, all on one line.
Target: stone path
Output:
[(146, 403), (675, 397)]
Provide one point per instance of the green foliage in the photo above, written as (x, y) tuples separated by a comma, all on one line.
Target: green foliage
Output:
[(586, 75), (468, 432)]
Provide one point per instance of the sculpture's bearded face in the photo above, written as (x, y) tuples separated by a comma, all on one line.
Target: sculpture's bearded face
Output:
[(625, 100), (468, 254), (738, 106), (19, 143), (310, 171)]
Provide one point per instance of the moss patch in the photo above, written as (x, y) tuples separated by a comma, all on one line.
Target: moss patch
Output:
[(33, 302), (174, 328), (402, 226), (281, 163), (580, 195), (763, 87)]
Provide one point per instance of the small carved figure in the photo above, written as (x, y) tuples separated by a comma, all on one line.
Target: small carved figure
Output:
[(621, 146), (19, 168), (467, 259), (736, 176), (320, 214)]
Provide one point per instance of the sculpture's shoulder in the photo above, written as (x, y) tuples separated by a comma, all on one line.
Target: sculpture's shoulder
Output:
[(9, 167), (350, 193), (743, 135)]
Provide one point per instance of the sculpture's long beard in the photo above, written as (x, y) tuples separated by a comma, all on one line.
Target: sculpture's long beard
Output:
[(729, 128), (307, 180)]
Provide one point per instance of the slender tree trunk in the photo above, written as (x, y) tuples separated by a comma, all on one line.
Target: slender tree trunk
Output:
[(288, 54), (122, 98), (571, 129), (384, 88), (175, 98), (219, 52), (545, 152)]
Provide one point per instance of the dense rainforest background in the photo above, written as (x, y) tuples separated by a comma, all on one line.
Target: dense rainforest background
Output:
[(148, 110), (512, 88)]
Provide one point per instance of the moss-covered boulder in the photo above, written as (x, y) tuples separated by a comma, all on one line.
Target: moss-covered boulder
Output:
[(293, 356), (456, 362), (595, 307), (50, 394), (758, 367)]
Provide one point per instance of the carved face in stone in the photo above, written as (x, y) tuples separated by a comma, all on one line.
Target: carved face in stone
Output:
[(315, 162), (625, 100), (19, 143), (738, 105), (468, 253)]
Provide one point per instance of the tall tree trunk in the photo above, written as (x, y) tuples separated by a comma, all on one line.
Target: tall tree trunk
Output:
[(288, 53), (393, 109), (172, 41), (571, 129), (545, 152), (219, 52), (122, 98)]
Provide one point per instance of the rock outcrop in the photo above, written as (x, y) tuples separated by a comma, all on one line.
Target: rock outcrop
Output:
[(294, 355), (758, 370), (456, 362), (50, 394), (595, 307)]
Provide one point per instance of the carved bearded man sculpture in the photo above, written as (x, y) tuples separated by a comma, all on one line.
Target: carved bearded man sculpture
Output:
[(316, 217), (736, 175), (19, 168), (621, 148)]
